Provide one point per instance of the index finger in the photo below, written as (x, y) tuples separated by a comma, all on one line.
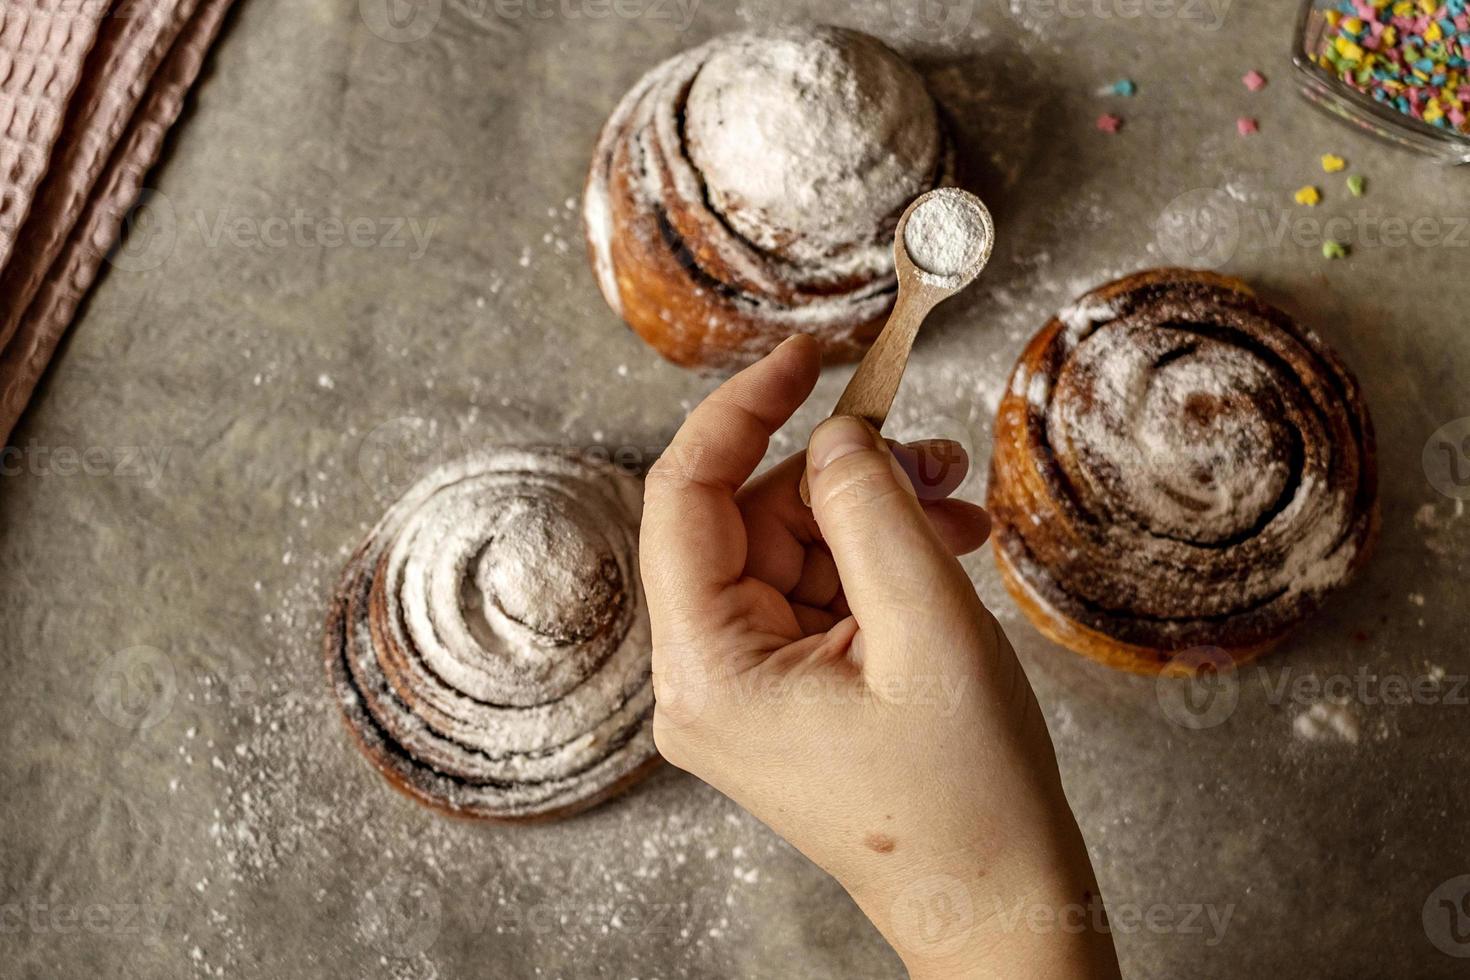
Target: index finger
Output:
[(693, 541)]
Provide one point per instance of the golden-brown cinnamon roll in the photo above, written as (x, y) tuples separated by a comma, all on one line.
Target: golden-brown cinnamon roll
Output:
[(748, 189), (489, 641), (1178, 464)]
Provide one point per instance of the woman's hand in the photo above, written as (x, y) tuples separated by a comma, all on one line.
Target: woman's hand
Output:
[(833, 671)]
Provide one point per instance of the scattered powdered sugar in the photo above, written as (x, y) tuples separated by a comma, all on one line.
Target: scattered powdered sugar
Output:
[(288, 807), (1038, 390), (597, 212), (1445, 531), (1078, 319), (948, 234), (1327, 721), (1020, 378)]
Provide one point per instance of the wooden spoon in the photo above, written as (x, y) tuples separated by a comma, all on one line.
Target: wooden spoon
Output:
[(870, 393)]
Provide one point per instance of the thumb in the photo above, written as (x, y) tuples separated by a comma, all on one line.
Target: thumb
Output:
[(902, 582)]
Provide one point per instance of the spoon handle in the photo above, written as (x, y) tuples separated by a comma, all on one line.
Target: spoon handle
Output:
[(870, 393)]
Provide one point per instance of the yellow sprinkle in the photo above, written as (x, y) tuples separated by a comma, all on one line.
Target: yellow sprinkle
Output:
[(1428, 6), (1433, 113), (1390, 36), (1352, 25), (1348, 49), (1433, 32), (1332, 164), (1333, 17), (1403, 9), (1309, 196)]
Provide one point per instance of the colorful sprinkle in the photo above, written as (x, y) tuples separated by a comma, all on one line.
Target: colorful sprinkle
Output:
[(1356, 185), (1331, 163), (1109, 123), (1246, 126), (1308, 196), (1123, 87), (1334, 250), (1254, 80), (1410, 55)]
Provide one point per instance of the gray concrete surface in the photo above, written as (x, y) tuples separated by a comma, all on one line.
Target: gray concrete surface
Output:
[(179, 796)]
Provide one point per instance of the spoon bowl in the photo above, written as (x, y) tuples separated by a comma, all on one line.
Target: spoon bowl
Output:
[(955, 243), (956, 259)]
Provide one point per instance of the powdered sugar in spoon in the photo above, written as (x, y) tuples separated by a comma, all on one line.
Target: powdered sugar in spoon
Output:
[(942, 243)]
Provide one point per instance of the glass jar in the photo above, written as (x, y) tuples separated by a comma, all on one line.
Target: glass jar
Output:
[(1325, 89)]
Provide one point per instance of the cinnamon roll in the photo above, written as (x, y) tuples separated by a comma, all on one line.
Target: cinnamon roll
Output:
[(489, 641), (1178, 464), (748, 189)]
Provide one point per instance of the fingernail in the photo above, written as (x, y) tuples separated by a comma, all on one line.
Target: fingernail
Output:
[(838, 437)]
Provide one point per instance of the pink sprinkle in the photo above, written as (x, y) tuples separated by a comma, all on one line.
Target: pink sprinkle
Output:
[(1254, 80), (1246, 126), (1109, 123)]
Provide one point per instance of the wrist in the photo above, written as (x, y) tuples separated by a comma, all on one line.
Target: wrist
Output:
[(1018, 918)]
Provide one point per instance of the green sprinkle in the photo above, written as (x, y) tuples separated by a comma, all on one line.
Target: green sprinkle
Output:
[(1356, 185), (1334, 250)]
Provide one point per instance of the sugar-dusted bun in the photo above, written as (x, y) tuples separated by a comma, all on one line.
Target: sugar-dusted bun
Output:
[(1179, 465), (811, 141), (489, 642), (748, 189)]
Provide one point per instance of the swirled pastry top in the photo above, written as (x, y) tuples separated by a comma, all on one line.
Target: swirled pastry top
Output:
[(489, 641), (1178, 463), (775, 165), (809, 141)]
